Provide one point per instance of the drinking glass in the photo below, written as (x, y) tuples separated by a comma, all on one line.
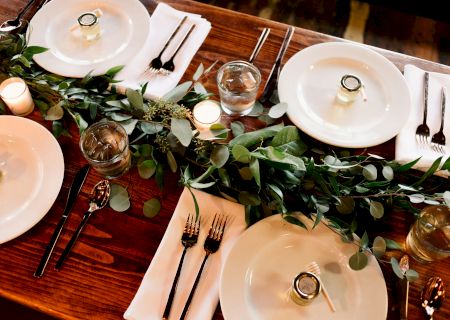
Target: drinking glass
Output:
[(238, 83), (105, 146), (429, 237)]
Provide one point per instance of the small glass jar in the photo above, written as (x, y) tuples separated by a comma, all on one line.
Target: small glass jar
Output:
[(89, 26), (305, 288), (349, 89)]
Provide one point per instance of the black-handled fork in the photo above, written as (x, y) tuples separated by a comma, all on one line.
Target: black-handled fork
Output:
[(438, 139), (156, 64), (169, 65), (212, 244), (261, 40), (188, 239)]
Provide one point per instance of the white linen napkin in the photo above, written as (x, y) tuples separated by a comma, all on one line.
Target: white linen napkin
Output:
[(406, 148), (151, 297), (162, 24)]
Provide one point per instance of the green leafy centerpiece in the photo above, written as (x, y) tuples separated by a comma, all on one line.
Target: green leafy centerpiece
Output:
[(270, 170)]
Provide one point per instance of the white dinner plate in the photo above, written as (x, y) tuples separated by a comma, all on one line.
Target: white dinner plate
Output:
[(32, 171), (124, 25), (257, 276), (310, 80)]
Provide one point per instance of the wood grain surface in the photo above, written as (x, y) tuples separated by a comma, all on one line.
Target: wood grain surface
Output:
[(107, 264)]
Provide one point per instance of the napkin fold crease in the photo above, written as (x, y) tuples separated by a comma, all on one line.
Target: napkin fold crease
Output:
[(162, 23), (151, 297), (406, 148)]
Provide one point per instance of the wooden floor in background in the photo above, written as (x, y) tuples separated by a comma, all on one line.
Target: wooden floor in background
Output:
[(379, 25)]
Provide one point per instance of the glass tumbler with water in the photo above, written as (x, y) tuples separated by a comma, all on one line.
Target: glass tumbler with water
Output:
[(238, 83), (105, 146), (429, 237)]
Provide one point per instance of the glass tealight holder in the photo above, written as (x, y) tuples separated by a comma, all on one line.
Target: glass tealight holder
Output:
[(350, 88), (16, 95), (105, 146), (89, 26), (206, 113)]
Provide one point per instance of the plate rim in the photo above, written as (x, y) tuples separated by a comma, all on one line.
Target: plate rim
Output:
[(276, 221), (285, 81), (47, 60), (53, 175)]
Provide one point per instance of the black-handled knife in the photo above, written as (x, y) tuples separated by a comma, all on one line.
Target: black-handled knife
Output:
[(274, 73), (75, 188)]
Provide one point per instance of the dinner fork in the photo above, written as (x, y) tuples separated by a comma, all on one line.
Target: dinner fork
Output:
[(188, 240), (438, 139), (212, 244), (169, 65), (156, 64), (422, 131)]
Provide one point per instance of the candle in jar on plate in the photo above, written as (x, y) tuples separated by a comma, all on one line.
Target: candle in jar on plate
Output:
[(206, 113), (15, 93)]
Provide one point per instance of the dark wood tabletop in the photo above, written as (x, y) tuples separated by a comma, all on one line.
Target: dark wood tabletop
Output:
[(104, 271)]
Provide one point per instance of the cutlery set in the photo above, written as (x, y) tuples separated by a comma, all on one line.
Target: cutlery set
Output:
[(423, 133), (98, 199), (156, 66), (189, 239)]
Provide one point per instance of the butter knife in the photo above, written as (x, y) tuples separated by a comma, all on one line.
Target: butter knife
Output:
[(403, 288), (75, 188)]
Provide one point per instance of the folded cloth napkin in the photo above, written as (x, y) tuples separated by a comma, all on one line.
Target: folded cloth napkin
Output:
[(162, 24), (406, 148), (151, 297)]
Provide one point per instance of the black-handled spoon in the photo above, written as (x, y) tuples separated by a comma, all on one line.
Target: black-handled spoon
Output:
[(99, 197)]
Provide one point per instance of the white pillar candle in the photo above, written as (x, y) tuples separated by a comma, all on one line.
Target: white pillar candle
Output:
[(206, 113), (15, 93)]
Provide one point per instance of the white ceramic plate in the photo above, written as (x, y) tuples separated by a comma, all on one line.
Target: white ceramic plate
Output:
[(124, 24), (309, 82), (32, 171), (259, 270)]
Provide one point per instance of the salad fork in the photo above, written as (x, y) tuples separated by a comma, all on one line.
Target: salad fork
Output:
[(156, 64), (438, 139), (188, 240), (422, 131), (212, 244)]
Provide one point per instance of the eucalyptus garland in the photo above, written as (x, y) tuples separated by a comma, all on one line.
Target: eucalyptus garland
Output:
[(271, 170)]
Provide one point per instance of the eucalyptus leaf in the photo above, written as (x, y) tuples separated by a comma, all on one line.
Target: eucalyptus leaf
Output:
[(346, 205), (358, 261), (240, 153), (224, 177), (392, 245), (116, 116), (379, 246), (136, 99), (246, 174), (294, 220), (411, 275), (237, 128), (249, 139), (199, 88), (220, 155), (388, 173), (150, 127), (198, 185), (446, 196), (396, 268), (370, 172), (285, 135), (129, 125), (114, 70), (177, 93), (181, 128), (119, 199), (364, 242), (55, 113), (416, 198), (257, 109), (376, 209), (198, 72), (151, 207), (146, 169), (247, 198), (254, 168), (278, 110), (172, 161)]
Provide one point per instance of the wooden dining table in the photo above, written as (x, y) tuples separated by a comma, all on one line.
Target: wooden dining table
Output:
[(107, 264)]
